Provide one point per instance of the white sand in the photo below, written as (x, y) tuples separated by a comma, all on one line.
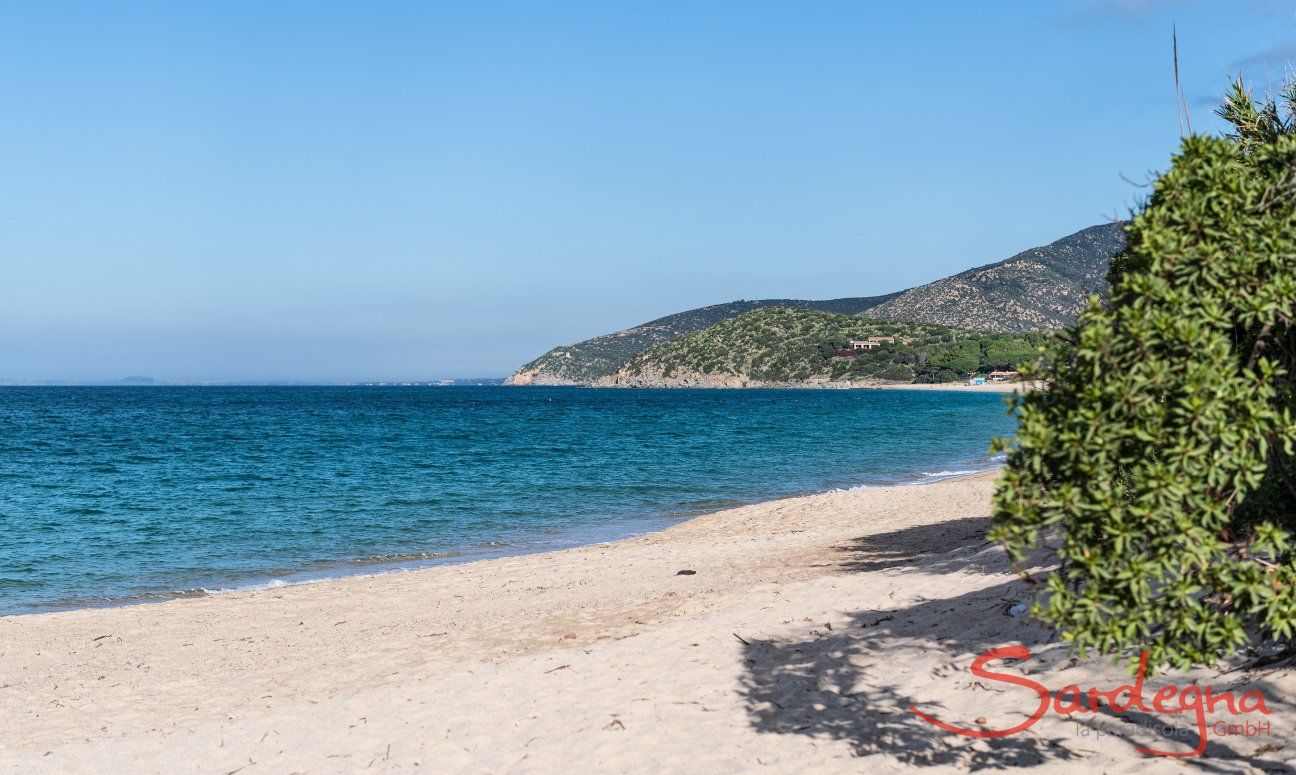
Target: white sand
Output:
[(850, 606), (963, 387)]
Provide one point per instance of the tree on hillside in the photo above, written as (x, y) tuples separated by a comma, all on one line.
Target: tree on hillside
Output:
[(1160, 461), (1006, 352)]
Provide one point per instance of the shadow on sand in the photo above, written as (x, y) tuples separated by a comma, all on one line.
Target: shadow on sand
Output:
[(837, 683)]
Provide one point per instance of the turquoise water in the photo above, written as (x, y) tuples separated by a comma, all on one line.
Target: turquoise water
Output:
[(116, 495)]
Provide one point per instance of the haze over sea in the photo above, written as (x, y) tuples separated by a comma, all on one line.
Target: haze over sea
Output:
[(116, 495)]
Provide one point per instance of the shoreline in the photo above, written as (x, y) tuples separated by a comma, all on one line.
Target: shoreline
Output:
[(989, 387), (575, 537), (787, 635), (958, 387)]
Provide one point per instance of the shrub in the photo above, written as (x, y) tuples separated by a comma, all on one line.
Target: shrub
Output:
[(963, 365), (897, 373), (1159, 460), (1006, 353)]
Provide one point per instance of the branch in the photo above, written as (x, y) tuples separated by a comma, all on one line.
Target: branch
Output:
[(1259, 346)]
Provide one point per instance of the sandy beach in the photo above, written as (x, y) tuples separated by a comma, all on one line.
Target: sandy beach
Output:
[(962, 387), (795, 640)]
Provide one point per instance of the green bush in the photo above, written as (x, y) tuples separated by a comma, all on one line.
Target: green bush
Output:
[(964, 365), (897, 373), (1158, 462), (1006, 353)]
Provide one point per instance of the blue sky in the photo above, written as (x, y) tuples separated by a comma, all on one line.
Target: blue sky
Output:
[(347, 191)]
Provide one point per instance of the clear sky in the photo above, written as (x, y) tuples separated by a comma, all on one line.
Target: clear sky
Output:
[(384, 190)]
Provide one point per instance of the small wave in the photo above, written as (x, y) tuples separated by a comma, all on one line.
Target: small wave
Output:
[(857, 487), (943, 474), (263, 586), (396, 557)]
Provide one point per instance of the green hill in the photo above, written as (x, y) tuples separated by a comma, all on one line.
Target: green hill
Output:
[(785, 345), (1041, 289), (587, 361)]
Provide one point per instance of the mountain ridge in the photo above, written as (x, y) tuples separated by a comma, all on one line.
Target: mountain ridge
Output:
[(1039, 289)]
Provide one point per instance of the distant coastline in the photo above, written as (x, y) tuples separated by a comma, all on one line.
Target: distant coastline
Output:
[(959, 387), (737, 383)]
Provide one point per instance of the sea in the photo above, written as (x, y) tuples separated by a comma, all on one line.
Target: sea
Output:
[(124, 495)]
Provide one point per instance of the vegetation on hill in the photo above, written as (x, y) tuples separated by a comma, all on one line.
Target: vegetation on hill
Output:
[(1160, 461), (602, 356), (781, 344), (1042, 289)]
